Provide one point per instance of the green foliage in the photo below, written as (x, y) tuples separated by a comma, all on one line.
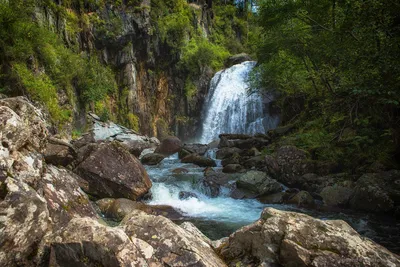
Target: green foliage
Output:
[(342, 56), (41, 89), (133, 121)]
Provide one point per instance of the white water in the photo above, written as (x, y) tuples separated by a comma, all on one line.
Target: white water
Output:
[(167, 185), (230, 109)]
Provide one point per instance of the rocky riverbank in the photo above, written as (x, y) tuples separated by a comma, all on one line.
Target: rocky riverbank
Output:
[(48, 217)]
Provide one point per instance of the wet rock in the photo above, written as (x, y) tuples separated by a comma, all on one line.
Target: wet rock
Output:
[(237, 59), (302, 199), (173, 245), (283, 238), (232, 168), (186, 195), (183, 153), (65, 199), (111, 171), (24, 220), (234, 159), (59, 155), (276, 198), (259, 183), (85, 242), (377, 192), (227, 152), (336, 195), (200, 149), (199, 160), (152, 159), (252, 152), (117, 209), (170, 145), (214, 181), (255, 162)]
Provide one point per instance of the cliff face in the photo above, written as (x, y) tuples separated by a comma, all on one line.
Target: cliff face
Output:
[(150, 84)]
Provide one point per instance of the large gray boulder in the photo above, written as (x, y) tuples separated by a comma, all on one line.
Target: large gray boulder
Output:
[(112, 171), (65, 199), (152, 159), (283, 238), (24, 220), (199, 160), (173, 245), (259, 183), (86, 242)]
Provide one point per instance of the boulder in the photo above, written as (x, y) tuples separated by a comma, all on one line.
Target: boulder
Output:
[(112, 171), (232, 168), (86, 242), (234, 159), (152, 159), (252, 152), (377, 192), (213, 181), (302, 199), (183, 153), (337, 195), (237, 59), (170, 145), (59, 155), (186, 195), (257, 162), (282, 238), (22, 124), (200, 149), (199, 160), (117, 209), (173, 245), (227, 152), (191, 228), (259, 183), (65, 199), (24, 220)]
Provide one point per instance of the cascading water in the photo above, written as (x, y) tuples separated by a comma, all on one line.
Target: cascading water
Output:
[(230, 109)]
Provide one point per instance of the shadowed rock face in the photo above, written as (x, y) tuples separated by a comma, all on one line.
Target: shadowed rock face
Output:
[(112, 171), (170, 145), (173, 245), (294, 239)]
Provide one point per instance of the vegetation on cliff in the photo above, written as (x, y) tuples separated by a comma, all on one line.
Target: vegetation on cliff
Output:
[(339, 62)]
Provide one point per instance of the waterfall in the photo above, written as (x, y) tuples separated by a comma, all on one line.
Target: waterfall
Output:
[(230, 109)]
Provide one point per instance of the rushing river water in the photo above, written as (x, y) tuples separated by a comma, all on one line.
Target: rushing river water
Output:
[(220, 216)]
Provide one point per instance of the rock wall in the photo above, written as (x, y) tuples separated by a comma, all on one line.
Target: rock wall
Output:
[(150, 84)]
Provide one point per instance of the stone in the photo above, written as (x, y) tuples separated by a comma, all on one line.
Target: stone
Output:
[(169, 145), (183, 153), (302, 199), (179, 171), (282, 238), (65, 199), (199, 160), (336, 196), (58, 155), (152, 159), (200, 149), (186, 195), (377, 192), (28, 127), (117, 209), (24, 220), (227, 152), (173, 245), (234, 159), (232, 168), (86, 242), (214, 181), (112, 171), (191, 228), (254, 162), (259, 183), (237, 59)]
